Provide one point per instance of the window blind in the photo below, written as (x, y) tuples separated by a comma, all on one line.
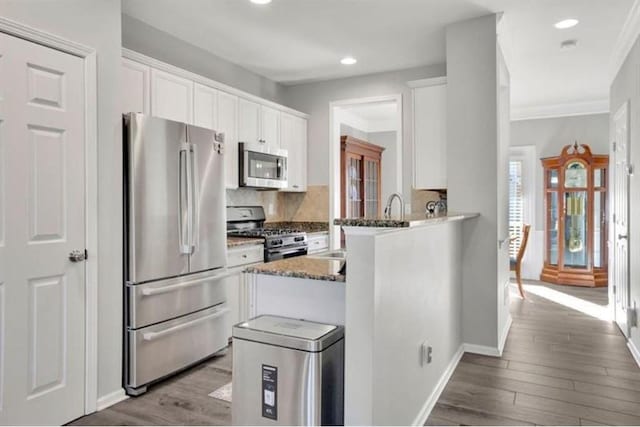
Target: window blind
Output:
[(516, 206)]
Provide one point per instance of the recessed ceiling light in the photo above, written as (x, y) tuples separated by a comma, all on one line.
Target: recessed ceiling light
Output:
[(566, 23), (348, 60), (569, 44), (260, 1)]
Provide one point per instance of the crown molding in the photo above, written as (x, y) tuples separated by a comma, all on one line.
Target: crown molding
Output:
[(600, 106), (627, 38), (434, 81)]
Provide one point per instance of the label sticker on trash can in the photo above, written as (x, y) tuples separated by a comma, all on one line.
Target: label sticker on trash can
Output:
[(270, 392)]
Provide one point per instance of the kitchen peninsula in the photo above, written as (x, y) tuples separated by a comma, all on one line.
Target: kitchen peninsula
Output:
[(401, 301)]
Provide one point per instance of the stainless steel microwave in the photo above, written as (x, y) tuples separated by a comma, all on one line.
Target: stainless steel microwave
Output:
[(262, 167)]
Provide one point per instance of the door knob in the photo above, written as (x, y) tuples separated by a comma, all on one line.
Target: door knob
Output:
[(77, 256), (622, 236)]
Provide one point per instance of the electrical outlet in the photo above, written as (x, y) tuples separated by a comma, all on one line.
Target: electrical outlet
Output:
[(426, 353)]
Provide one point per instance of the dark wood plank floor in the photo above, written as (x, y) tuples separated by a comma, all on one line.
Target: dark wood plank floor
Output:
[(180, 400), (561, 366)]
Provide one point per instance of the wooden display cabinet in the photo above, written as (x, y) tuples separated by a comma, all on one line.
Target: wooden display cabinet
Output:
[(575, 190), (360, 178)]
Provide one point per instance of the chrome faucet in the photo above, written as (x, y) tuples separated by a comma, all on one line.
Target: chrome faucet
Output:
[(387, 209)]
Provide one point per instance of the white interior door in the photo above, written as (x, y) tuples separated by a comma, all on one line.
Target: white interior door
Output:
[(620, 256), (42, 219)]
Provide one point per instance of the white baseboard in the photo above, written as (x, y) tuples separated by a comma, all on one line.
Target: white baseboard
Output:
[(484, 350), (111, 399), (442, 383), (634, 351), (504, 334)]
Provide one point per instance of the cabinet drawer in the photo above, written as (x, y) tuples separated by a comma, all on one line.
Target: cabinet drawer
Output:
[(318, 243), (157, 301), (245, 255), (158, 350)]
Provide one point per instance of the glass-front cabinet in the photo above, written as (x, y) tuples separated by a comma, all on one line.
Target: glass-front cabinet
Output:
[(575, 185), (360, 178)]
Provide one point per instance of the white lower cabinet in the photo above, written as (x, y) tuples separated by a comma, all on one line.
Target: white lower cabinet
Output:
[(237, 286), (318, 242)]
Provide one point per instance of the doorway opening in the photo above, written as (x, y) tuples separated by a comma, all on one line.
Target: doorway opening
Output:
[(369, 170)]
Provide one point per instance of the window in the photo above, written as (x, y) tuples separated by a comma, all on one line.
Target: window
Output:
[(516, 206)]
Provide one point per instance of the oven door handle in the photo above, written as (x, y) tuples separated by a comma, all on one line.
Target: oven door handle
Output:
[(288, 252)]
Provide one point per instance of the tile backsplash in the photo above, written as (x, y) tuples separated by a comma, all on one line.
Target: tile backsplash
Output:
[(310, 206), (313, 205)]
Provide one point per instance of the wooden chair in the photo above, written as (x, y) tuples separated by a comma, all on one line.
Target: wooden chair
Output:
[(516, 264)]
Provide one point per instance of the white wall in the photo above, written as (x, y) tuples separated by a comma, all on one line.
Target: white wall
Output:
[(403, 289), (314, 99), (473, 164), (145, 39), (626, 87), (96, 23)]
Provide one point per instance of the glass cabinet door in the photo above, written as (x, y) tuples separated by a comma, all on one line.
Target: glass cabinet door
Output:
[(354, 187), (553, 227), (575, 252), (371, 202)]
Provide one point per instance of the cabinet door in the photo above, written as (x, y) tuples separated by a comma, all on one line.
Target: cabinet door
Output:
[(270, 127), (430, 137), (372, 187), (227, 123), (293, 138), (248, 121), (232, 284), (135, 87), (171, 97), (205, 107)]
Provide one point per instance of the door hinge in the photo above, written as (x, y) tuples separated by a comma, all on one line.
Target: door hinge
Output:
[(86, 254), (632, 316), (614, 146), (630, 169), (614, 289)]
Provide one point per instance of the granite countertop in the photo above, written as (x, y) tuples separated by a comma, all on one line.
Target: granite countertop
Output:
[(411, 220), (306, 226), (242, 241), (302, 267)]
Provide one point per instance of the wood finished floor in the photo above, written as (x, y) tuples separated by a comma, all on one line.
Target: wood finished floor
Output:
[(560, 367)]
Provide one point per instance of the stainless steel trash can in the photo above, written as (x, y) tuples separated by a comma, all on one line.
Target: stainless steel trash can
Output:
[(287, 372)]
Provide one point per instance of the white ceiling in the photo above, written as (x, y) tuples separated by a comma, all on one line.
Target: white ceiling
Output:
[(298, 41)]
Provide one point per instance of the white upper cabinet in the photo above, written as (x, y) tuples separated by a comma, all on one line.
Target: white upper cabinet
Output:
[(248, 121), (171, 97), (165, 91), (293, 138), (270, 126), (136, 85), (205, 106), (430, 135), (227, 123)]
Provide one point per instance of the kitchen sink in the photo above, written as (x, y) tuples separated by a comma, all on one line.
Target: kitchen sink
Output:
[(339, 255)]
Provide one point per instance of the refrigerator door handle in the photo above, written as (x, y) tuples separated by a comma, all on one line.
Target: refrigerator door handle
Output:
[(195, 201), (150, 336), (183, 197), (167, 289)]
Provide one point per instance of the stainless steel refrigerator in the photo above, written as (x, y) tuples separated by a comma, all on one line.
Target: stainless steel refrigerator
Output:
[(174, 247)]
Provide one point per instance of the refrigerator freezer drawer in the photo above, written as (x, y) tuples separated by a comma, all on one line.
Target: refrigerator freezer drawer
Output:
[(159, 350), (155, 302)]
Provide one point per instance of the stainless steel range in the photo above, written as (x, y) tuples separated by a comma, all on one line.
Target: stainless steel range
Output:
[(279, 243)]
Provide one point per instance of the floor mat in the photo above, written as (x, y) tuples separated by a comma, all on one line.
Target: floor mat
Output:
[(223, 393)]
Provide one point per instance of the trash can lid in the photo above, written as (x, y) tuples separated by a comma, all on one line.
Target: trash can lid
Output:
[(285, 332)]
